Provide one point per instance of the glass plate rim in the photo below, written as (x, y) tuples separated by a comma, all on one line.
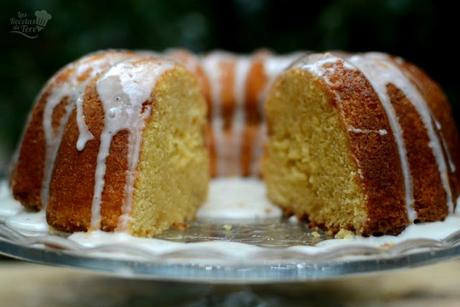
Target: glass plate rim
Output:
[(236, 272)]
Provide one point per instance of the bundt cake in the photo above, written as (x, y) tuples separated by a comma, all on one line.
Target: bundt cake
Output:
[(117, 140), (363, 142)]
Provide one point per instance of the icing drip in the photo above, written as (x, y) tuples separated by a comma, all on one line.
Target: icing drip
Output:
[(212, 70), (438, 126), (53, 136), (123, 89), (237, 198), (274, 65), (257, 149), (239, 118), (380, 71), (231, 200), (452, 167), (71, 89), (357, 130), (84, 134), (322, 65), (379, 84)]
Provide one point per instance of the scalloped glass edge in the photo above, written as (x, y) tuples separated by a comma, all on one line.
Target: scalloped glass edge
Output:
[(304, 269), (266, 258)]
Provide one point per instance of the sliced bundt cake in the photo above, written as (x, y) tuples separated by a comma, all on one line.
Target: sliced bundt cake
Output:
[(127, 147), (117, 140), (362, 142)]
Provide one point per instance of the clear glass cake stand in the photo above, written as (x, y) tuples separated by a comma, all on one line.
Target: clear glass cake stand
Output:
[(275, 259)]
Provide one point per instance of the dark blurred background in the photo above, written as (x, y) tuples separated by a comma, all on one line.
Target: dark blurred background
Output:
[(423, 31)]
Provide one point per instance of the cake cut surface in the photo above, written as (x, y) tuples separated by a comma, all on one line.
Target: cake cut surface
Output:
[(174, 164), (310, 170)]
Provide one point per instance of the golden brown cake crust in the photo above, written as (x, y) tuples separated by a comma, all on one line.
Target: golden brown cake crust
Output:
[(442, 113), (428, 193), (69, 208), (113, 196), (376, 156), (27, 175), (73, 182), (372, 142)]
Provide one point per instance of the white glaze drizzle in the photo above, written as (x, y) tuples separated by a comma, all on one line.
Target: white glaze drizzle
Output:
[(223, 202), (381, 132), (322, 65), (53, 138), (239, 116), (380, 71), (212, 69), (379, 84), (97, 67), (317, 65), (438, 126), (237, 198), (84, 134), (452, 166), (276, 64), (122, 90), (258, 149), (72, 89)]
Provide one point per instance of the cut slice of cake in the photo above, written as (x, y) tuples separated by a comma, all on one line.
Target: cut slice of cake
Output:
[(354, 144), (128, 153)]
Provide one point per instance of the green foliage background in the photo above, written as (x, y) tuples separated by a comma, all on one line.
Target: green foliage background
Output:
[(422, 31)]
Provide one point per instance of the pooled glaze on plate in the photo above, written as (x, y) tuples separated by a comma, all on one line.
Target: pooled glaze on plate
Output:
[(233, 200)]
